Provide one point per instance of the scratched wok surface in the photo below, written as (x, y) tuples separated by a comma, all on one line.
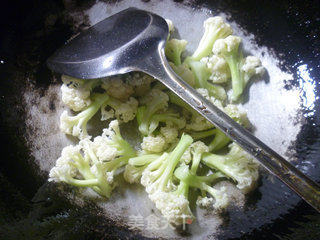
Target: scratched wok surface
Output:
[(283, 107)]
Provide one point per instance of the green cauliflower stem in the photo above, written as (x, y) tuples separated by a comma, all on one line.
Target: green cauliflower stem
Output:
[(137, 165), (188, 178), (77, 125), (214, 28), (167, 117), (197, 135), (174, 49), (202, 182), (219, 141), (237, 165), (197, 149)]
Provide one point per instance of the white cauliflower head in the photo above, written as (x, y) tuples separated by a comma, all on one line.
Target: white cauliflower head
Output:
[(75, 98), (175, 208), (154, 144), (252, 66), (132, 174), (117, 88), (198, 123), (238, 115), (67, 125), (170, 133), (140, 82), (219, 202), (218, 67), (64, 169), (127, 111), (155, 95), (227, 45)]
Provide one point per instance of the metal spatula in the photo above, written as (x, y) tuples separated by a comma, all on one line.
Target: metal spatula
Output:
[(134, 40)]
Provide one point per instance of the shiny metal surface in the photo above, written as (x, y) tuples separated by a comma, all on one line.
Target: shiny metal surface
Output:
[(134, 40)]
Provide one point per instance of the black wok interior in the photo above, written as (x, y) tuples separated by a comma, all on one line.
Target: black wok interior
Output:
[(31, 30)]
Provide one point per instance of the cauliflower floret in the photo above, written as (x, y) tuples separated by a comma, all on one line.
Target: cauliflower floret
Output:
[(205, 93), (174, 49), (198, 123), (236, 114), (219, 202), (154, 144), (123, 111), (132, 174), (101, 147), (170, 133), (237, 165), (228, 48), (127, 111), (116, 88), (220, 72), (66, 127), (76, 99), (64, 169), (190, 178), (197, 149), (157, 96), (77, 125), (106, 114), (170, 199), (140, 82), (93, 164), (214, 29), (76, 92), (175, 208), (252, 66), (225, 46)]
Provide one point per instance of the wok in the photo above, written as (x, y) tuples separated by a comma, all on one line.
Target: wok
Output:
[(284, 107)]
